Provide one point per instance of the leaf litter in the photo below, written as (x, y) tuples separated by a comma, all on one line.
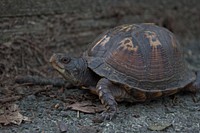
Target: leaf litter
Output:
[(10, 113), (86, 107)]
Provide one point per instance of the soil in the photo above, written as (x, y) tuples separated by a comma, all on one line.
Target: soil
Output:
[(32, 31)]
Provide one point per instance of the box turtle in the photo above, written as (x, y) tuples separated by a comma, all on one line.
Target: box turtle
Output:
[(133, 62)]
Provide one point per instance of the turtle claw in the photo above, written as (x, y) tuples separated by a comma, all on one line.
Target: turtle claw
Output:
[(107, 115)]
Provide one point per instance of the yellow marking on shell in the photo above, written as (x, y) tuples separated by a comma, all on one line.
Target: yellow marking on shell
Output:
[(127, 27), (102, 101), (100, 94), (102, 41), (153, 39), (173, 39), (128, 44), (84, 88), (107, 107)]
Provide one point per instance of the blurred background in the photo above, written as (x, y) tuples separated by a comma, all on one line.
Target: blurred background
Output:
[(32, 30)]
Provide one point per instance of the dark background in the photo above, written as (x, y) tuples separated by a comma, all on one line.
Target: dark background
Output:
[(31, 30)]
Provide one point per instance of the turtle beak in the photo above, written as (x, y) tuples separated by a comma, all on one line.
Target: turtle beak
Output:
[(54, 60)]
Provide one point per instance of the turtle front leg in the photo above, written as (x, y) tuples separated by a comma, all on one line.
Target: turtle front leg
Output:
[(105, 95)]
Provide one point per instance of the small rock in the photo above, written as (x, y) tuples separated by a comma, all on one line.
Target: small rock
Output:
[(159, 126), (62, 126)]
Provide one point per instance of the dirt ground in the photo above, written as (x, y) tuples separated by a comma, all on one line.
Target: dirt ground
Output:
[(30, 32)]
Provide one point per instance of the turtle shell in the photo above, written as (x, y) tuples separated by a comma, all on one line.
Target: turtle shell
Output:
[(143, 56)]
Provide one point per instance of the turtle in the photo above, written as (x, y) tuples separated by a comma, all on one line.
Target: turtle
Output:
[(131, 62)]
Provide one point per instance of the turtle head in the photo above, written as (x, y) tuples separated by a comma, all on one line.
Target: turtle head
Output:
[(71, 68)]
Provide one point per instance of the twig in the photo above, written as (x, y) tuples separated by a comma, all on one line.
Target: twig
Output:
[(36, 80), (9, 99)]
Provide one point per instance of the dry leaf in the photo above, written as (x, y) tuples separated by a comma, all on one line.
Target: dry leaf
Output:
[(86, 107), (10, 114)]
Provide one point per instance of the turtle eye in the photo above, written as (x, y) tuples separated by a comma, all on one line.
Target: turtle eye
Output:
[(65, 60)]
